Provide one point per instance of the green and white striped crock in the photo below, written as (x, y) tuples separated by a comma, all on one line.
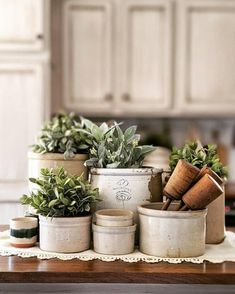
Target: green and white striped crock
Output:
[(23, 231)]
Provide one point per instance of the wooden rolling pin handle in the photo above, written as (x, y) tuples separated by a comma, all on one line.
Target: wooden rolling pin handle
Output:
[(166, 204), (180, 205), (184, 208)]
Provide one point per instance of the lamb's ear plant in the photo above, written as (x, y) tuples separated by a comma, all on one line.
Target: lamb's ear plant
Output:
[(97, 133), (60, 195), (199, 157), (113, 148), (62, 134)]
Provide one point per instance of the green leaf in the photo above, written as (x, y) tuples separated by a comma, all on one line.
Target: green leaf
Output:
[(113, 165), (147, 149), (52, 203), (129, 133), (33, 180), (56, 192)]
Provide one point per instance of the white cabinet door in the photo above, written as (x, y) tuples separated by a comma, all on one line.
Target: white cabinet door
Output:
[(10, 210), (23, 24), (87, 56), (146, 56), (21, 115), (206, 56)]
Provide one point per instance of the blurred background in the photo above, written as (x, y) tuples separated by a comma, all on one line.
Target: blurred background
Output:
[(166, 65)]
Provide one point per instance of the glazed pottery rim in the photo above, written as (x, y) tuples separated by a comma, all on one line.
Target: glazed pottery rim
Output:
[(114, 230), (24, 219), (54, 219), (56, 156), (145, 210), (125, 214), (145, 170)]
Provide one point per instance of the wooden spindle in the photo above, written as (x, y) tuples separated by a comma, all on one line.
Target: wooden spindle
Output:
[(166, 204)]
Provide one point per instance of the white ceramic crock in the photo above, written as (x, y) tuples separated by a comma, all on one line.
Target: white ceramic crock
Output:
[(158, 158), (171, 233), (23, 231), (114, 217), (113, 240), (64, 234), (74, 166), (122, 188)]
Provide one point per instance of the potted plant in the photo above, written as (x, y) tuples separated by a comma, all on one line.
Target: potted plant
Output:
[(198, 156), (206, 159), (116, 160), (63, 203), (60, 143)]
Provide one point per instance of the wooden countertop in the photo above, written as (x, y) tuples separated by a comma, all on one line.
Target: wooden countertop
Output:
[(14, 269)]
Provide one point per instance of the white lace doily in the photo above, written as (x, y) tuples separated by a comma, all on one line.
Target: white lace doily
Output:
[(214, 253)]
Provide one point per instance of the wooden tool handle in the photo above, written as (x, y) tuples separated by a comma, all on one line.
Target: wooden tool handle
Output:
[(166, 204), (184, 208), (180, 205)]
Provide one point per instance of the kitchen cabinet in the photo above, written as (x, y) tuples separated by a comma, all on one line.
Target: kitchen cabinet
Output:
[(24, 89), (22, 110), (23, 25), (88, 65), (145, 73), (117, 56), (149, 58), (11, 210), (206, 60)]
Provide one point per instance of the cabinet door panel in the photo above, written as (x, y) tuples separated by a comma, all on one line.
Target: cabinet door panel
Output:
[(207, 56), (87, 38), (147, 55), (22, 25), (10, 210), (21, 115)]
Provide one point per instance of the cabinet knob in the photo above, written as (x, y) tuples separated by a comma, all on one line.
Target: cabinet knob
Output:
[(126, 97), (108, 97), (39, 36)]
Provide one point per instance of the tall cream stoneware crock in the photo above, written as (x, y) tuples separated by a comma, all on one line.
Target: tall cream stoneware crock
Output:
[(215, 220), (65, 234), (74, 166), (126, 188)]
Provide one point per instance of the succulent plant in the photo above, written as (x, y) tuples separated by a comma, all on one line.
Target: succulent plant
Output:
[(62, 135), (199, 157), (113, 148), (60, 195)]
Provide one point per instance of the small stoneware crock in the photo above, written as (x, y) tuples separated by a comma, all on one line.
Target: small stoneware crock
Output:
[(114, 217), (23, 231)]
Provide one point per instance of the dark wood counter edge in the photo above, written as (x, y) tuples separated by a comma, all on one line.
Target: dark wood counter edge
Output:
[(106, 277), (14, 269)]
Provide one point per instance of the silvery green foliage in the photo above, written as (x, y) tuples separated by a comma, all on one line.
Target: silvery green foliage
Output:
[(113, 148), (60, 195), (198, 157), (62, 135)]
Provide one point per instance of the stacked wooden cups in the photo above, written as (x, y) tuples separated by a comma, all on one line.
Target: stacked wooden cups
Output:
[(194, 188)]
